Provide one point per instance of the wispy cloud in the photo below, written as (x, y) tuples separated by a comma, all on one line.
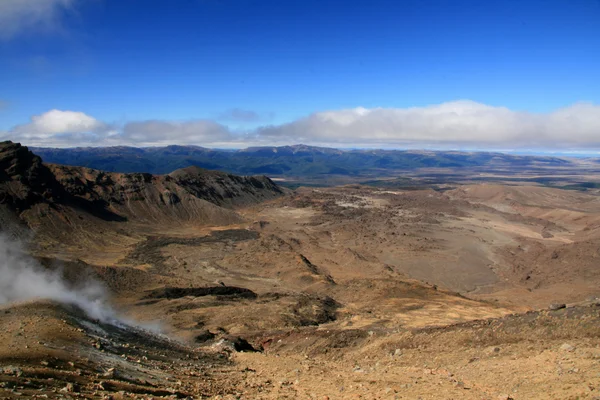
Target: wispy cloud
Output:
[(458, 124), (3, 105), (20, 16)]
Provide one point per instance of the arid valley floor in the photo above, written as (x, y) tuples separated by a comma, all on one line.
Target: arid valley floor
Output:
[(483, 291)]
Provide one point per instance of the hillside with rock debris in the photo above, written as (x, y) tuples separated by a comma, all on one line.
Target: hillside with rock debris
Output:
[(200, 284)]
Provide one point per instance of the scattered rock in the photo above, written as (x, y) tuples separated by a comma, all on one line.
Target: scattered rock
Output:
[(234, 343), (567, 347), (461, 385), (556, 306), (204, 336), (492, 351), (70, 388), (10, 370), (505, 397)]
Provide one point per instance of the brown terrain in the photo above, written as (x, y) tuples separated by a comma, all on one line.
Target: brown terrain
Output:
[(480, 292)]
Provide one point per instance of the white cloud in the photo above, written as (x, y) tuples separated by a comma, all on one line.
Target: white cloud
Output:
[(57, 121), (57, 126), (458, 124), (73, 128), (156, 132), (19, 16)]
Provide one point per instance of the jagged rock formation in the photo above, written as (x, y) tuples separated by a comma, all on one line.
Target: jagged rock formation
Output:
[(52, 198)]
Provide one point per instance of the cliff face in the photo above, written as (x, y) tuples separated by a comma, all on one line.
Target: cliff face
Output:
[(24, 180), (225, 189), (48, 197)]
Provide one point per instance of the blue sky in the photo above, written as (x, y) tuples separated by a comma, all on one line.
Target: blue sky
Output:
[(241, 72)]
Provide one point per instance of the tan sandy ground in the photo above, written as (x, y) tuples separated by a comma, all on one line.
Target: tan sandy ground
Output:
[(348, 286)]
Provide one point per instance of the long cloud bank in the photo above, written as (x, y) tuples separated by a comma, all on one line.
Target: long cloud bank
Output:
[(457, 124)]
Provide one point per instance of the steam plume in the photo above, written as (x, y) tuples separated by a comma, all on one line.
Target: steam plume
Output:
[(23, 278)]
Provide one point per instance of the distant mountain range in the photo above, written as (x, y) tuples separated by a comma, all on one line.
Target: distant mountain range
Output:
[(287, 161)]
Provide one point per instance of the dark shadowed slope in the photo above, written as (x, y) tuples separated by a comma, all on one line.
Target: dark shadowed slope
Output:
[(57, 200)]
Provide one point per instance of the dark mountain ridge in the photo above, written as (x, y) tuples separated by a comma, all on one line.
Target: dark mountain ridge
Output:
[(287, 161), (57, 199)]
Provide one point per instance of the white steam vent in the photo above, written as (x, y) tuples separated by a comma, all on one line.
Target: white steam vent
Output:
[(23, 278)]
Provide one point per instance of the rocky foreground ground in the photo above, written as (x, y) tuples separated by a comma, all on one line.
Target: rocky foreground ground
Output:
[(53, 351)]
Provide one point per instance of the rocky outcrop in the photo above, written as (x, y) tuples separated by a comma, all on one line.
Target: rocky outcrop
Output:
[(41, 195), (225, 189), (24, 180)]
